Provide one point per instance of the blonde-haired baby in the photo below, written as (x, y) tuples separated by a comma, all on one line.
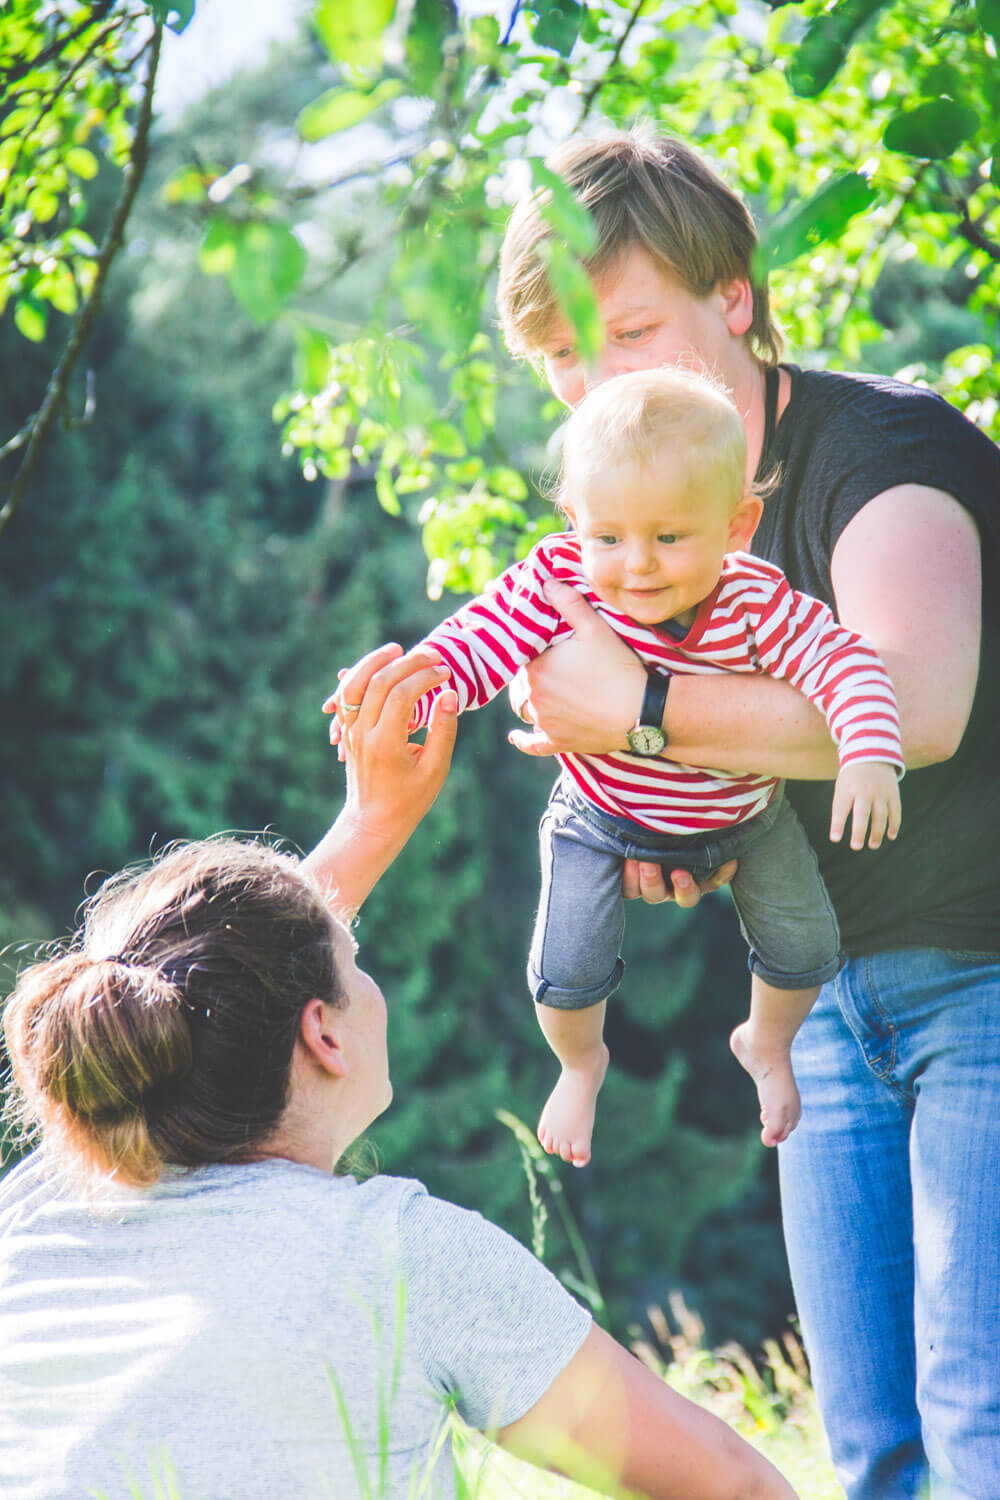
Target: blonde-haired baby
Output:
[(653, 485)]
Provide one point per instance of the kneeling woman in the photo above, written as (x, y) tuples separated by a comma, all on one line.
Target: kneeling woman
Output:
[(189, 1297)]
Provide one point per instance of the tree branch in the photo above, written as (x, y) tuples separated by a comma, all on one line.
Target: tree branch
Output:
[(595, 88), (56, 390)]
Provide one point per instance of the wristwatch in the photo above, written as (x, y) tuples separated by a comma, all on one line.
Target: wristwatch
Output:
[(647, 736)]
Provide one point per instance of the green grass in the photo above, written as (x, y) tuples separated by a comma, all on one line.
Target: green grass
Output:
[(770, 1402)]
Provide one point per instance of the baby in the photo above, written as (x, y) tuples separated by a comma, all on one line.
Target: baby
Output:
[(653, 485)]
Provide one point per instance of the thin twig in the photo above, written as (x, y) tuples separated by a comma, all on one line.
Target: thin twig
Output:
[(56, 391), (595, 88)]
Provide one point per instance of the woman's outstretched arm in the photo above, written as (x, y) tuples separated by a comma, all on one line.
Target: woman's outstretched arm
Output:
[(391, 780), (608, 1421)]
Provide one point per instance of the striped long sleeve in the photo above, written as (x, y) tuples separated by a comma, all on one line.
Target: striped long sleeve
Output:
[(753, 621)]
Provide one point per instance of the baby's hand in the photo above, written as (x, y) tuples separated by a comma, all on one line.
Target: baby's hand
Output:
[(869, 791)]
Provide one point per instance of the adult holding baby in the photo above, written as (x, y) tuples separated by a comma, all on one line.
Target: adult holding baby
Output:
[(885, 506), (185, 1288)]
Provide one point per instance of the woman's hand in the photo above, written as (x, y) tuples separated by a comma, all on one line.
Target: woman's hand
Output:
[(391, 780), (583, 694)]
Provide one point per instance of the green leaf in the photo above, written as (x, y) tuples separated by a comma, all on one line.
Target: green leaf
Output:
[(173, 13), (988, 16), (81, 162), (351, 30), (430, 22), (575, 295), (29, 316), (312, 360), (826, 43), (386, 492), (268, 267), (557, 24), (446, 439), (995, 165), (339, 109), (558, 206), (218, 249), (820, 218), (932, 130), (186, 186)]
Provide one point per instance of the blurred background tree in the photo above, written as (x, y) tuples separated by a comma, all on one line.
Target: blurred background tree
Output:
[(178, 594)]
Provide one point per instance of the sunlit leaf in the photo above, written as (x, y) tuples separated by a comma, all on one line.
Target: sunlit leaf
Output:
[(430, 22), (312, 360), (826, 43), (173, 13), (218, 249), (819, 218), (575, 294), (386, 493), (351, 30), (268, 267), (29, 316), (339, 109), (932, 130), (559, 207), (557, 24), (81, 162), (186, 186), (988, 16)]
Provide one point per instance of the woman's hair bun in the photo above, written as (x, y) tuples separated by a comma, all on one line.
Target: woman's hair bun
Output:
[(97, 1037)]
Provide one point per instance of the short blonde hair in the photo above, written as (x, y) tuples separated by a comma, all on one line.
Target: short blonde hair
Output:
[(642, 189), (671, 416)]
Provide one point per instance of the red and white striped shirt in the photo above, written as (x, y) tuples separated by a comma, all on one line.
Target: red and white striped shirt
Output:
[(753, 621)]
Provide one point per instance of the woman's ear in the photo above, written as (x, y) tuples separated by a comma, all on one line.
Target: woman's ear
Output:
[(745, 520), (737, 304), (318, 1034)]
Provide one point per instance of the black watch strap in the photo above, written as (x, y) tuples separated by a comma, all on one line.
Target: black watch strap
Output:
[(655, 699)]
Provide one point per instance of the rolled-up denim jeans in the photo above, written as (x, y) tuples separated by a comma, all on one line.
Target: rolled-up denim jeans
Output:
[(780, 897), (890, 1192)]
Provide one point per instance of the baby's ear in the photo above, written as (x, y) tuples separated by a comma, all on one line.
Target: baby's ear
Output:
[(746, 519)]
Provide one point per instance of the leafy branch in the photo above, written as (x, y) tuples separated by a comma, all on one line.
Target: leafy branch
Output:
[(33, 435)]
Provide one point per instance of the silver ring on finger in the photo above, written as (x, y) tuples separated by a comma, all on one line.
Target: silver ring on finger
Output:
[(351, 708)]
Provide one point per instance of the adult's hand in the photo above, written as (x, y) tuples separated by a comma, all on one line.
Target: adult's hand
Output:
[(584, 693), (391, 780), (645, 882)]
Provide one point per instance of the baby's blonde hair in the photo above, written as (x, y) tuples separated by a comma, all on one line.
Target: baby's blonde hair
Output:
[(681, 421)]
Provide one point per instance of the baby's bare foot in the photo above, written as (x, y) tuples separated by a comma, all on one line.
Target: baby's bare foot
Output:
[(567, 1121), (780, 1106)]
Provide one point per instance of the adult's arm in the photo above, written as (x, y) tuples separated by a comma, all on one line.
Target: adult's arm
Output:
[(391, 780), (906, 574), (608, 1421)]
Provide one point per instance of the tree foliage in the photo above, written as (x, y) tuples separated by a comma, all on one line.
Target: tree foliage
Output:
[(862, 131)]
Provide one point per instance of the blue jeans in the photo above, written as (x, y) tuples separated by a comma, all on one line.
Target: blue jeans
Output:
[(890, 1192)]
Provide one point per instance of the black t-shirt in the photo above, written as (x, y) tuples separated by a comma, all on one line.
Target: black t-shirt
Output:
[(841, 440)]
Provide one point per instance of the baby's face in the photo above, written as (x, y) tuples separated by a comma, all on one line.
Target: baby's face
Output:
[(652, 544)]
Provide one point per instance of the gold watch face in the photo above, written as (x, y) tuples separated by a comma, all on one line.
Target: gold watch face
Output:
[(646, 739)]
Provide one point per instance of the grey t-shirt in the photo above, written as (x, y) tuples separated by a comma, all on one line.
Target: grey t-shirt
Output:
[(262, 1332)]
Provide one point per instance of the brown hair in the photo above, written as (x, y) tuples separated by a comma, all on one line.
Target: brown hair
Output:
[(642, 189), (685, 414), (165, 1031)]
